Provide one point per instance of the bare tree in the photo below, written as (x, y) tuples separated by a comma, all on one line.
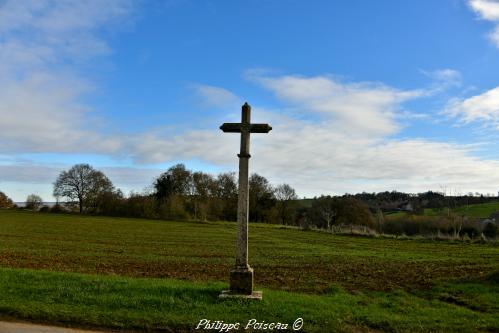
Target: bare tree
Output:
[(203, 186), (325, 211), (261, 198), (34, 202), (82, 184), (225, 193), (285, 195)]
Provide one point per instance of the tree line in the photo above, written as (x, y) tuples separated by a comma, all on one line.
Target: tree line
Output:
[(178, 193), (182, 194), (394, 200)]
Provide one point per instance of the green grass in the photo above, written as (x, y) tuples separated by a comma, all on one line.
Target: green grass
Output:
[(334, 282), (147, 304), (284, 258), (477, 210), (396, 214), (480, 210)]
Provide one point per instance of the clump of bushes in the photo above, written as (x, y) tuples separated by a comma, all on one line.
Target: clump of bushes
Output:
[(328, 212), (5, 201), (44, 209), (490, 230), (57, 208), (440, 226)]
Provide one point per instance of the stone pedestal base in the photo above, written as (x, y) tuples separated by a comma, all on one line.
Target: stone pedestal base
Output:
[(241, 280), (241, 285), (229, 294)]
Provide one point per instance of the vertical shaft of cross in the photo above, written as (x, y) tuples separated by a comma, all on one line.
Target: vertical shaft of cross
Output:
[(243, 197), (241, 277)]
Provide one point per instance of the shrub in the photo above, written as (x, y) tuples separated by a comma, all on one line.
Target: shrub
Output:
[(392, 227), (5, 201), (470, 228), (140, 206), (57, 208), (109, 203), (430, 225), (173, 208), (327, 211), (490, 230), (44, 209)]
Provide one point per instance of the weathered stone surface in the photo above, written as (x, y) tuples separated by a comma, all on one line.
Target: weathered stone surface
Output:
[(241, 281), (242, 215), (256, 295), (241, 277)]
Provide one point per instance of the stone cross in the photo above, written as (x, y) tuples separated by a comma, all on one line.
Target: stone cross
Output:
[(241, 277)]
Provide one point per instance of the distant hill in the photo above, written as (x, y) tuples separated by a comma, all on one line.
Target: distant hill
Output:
[(482, 210), (48, 203)]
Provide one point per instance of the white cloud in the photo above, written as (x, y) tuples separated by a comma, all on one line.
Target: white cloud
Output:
[(66, 26), (361, 108), (336, 164), (209, 145), (333, 136), (443, 79), (488, 10), (42, 43), (40, 178), (216, 96), (28, 173), (483, 108), (316, 156), (494, 35), (447, 74), (337, 153)]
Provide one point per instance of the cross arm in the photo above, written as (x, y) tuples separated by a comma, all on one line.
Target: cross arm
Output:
[(231, 127), (260, 128), (253, 128)]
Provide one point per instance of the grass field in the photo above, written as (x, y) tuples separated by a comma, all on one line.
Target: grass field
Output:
[(477, 210), (334, 282)]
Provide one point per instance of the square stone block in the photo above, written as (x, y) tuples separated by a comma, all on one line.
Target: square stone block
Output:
[(241, 281)]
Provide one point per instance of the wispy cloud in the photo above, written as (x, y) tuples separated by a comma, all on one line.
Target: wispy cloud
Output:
[(443, 79), (54, 30), (338, 153), (329, 136), (43, 43), (361, 107), (482, 108), (334, 153), (215, 96), (41, 176), (488, 10)]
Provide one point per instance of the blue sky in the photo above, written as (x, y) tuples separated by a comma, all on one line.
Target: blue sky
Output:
[(362, 95)]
